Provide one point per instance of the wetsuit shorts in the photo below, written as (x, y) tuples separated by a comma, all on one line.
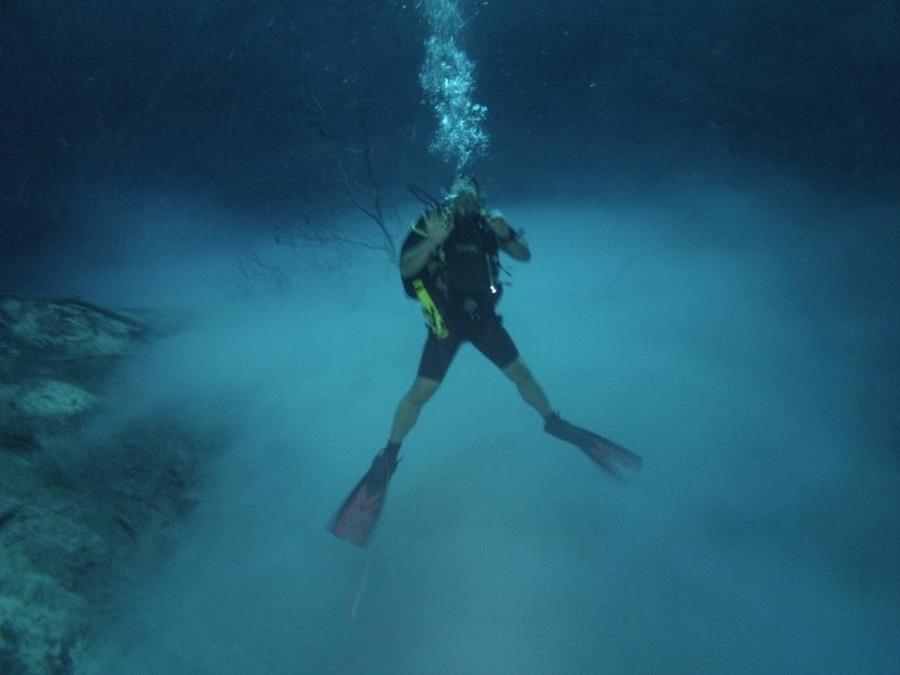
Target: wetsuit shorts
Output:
[(489, 337)]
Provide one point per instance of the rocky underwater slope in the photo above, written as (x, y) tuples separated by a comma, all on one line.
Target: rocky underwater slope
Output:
[(79, 508)]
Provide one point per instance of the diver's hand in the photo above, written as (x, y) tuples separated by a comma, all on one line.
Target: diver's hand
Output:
[(511, 241), (499, 225), (438, 227)]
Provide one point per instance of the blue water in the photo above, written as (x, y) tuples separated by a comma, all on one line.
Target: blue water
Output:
[(709, 197)]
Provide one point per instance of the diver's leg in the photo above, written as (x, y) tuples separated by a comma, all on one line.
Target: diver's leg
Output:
[(528, 386), (602, 450), (437, 354), (410, 406), (355, 520), (496, 344)]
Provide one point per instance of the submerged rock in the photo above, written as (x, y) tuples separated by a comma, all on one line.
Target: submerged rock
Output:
[(52, 398), (73, 508)]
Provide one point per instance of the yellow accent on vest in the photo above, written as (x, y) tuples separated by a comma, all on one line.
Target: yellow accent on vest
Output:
[(432, 314)]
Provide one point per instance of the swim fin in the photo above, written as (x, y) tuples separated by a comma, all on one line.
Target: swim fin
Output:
[(601, 450), (355, 520)]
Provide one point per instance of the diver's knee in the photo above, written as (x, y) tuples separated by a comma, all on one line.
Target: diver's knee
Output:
[(423, 389), (518, 372)]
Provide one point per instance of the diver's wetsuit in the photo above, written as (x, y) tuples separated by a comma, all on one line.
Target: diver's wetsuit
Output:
[(488, 335), (458, 291), (461, 280)]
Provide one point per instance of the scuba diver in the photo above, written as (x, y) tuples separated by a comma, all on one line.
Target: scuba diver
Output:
[(449, 262)]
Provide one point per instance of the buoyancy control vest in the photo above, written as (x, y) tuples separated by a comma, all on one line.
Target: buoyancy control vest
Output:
[(463, 270)]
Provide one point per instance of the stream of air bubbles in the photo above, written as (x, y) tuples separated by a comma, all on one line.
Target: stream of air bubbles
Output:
[(448, 78)]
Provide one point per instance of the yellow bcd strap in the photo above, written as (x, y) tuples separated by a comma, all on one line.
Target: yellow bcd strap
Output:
[(430, 311)]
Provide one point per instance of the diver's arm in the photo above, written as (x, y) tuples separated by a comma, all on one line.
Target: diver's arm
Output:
[(437, 230), (510, 240), (517, 249), (417, 257)]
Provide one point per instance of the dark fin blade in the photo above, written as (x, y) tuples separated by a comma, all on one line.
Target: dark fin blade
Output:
[(611, 449), (355, 520), (602, 451)]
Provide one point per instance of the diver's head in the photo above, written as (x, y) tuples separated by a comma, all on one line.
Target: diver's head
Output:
[(465, 196)]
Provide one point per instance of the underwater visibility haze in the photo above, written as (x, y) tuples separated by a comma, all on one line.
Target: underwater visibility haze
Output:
[(709, 192)]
